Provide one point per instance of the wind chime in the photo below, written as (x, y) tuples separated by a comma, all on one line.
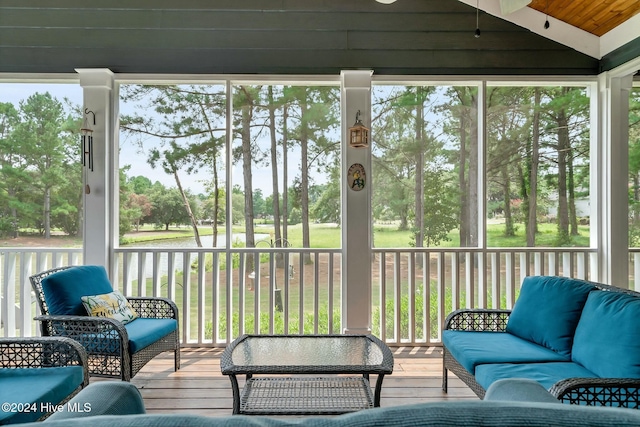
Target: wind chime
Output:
[(86, 145)]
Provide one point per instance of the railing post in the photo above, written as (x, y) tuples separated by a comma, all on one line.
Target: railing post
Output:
[(25, 294), (356, 208), (612, 217), (8, 308), (101, 192)]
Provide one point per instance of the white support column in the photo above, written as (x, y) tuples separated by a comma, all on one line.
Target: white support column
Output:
[(356, 208), (613, 214), (100, 200)]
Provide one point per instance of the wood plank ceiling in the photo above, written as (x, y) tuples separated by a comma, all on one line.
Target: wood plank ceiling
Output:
[(593, 16)]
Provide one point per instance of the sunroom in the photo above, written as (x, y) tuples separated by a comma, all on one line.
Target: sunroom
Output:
[(488, 159)]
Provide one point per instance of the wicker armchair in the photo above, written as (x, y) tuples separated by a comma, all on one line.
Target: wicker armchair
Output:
[(107, 340), (43, 352)]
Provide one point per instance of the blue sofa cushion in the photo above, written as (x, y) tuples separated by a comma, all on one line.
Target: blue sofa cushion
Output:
[(548, 310), (474, 348), (63, 289), (547, 374), (607, 339), (144, 332), (42, 387), (426, 414)]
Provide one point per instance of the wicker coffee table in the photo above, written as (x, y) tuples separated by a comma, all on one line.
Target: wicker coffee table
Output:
[(305, 374)]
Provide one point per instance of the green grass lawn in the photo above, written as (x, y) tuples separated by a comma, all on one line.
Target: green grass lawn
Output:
[(329, 236), (384, 236)]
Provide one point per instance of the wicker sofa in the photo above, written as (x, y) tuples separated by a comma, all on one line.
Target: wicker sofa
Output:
[(511, 403), (579, 339), (37, 375)]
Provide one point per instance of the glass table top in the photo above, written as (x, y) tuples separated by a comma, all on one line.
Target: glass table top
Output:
[(327, 353)]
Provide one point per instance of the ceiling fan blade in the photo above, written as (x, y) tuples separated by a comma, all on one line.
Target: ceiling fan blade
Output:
[(510, 6)]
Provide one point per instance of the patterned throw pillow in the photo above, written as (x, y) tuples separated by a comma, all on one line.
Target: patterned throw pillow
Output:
[(113, 305)]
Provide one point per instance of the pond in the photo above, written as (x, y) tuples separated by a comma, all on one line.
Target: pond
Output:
[(182, 243), (190, 242)]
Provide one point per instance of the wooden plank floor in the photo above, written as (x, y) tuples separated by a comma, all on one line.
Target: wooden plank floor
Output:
[(199, 388)]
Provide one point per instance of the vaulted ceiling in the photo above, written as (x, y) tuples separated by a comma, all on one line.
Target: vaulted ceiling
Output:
[(408, 37), (595, 27), (595, 17)]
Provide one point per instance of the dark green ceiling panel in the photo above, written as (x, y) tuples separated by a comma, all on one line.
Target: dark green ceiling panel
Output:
[(621, 55), (430, 37)]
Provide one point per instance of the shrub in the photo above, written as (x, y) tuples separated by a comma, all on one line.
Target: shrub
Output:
[(390, 315), (278, 323)]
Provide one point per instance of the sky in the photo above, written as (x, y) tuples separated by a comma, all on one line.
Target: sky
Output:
[(130, 153)]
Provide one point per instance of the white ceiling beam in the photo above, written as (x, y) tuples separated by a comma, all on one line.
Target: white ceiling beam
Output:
[(621, 35), (533, 20)]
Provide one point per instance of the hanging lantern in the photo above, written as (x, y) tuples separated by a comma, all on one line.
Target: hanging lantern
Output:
[(86, 141), (358, 134)]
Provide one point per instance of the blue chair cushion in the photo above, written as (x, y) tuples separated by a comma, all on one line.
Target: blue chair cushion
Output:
[(63, 289), (547, 374), (41, 387), (142, 332), (548, 310), (145, 331), (474, 348), (607, 339)]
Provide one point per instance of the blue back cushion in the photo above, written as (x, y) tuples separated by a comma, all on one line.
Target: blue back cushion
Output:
[(547, 311), (607, 339), (62, 290)]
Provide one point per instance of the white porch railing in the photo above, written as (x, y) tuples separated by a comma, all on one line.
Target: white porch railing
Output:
[(17, 303), (299, 290)]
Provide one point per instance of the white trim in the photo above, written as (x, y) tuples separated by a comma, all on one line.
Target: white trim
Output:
[(621, 35), (48, 78), (318, 80), (492, 80), (97, 85), (533, 20), (356, 207), (613, 249)]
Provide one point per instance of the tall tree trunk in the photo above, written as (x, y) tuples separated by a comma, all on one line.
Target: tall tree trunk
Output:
[(248, 180), (468, 168), (216, 180), (463, 185), (419, 167), (274, 168), (532, 205), (304, 182), (562, 151), (192, 218), (506, 189), (285, 175), (636, 196), (216, 202), (80, 205), (14, 214), (573, 216), (472, 201), (47, 213)]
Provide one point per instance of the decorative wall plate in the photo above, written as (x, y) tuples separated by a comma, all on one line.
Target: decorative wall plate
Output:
[(356, 177)]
